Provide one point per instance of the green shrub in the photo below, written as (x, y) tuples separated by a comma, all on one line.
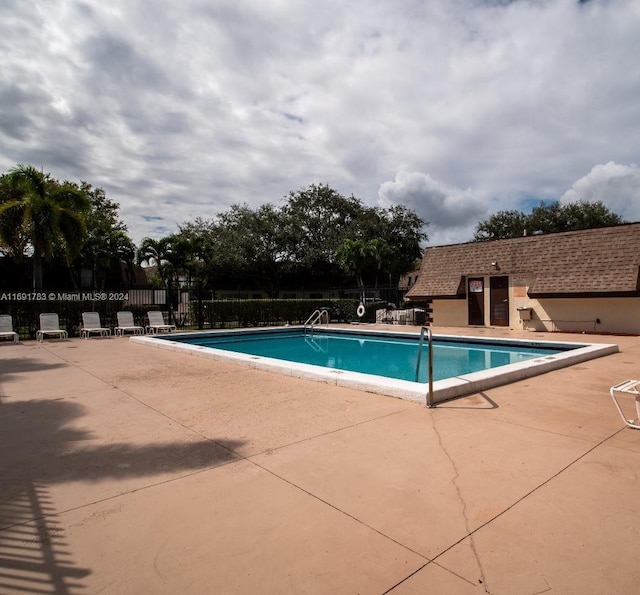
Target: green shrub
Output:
[(245, 313)]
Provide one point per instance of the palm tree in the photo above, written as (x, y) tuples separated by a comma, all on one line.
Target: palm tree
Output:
[(107, 243), (103, 249), (161, 254), (158, 253), (380, 252), (354, 256), (49, 214)]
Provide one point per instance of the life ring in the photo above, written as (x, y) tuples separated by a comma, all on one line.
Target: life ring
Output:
[(360, 311)]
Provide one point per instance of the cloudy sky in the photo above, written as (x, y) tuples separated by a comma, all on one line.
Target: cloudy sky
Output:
[(455, 108)]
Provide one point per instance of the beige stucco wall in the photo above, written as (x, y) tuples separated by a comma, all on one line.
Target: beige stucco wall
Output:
[(607, 315), (615, 315), (449, 313)]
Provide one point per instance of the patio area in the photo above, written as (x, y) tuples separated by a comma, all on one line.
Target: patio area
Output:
[(127, 469)]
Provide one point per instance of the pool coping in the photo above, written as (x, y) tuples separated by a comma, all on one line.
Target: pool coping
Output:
[(443, 390)]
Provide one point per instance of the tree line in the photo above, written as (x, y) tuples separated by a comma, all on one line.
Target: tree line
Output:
[(68, 226), (316, 237), (551, 217)]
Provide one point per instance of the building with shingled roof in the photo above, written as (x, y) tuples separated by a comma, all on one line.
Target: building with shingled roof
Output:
[(577, 281)]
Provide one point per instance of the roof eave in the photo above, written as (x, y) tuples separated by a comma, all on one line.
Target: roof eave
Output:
[(583, 294)]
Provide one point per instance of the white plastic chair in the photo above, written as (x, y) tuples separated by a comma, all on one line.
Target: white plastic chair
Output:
[(126, 324), (50, 325), (629, 387), (157, 324), (91, 324), (6, 328)]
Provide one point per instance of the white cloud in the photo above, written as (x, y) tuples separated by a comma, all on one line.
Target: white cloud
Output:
[(181, 109), (616, 185), (448, 210)]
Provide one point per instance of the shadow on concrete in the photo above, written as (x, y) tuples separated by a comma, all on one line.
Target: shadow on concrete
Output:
[(476, 401), (10, 366), (39, 448), (33, 553)]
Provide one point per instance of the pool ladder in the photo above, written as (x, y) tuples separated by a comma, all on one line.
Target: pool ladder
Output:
[(316, 318), (429, 397)]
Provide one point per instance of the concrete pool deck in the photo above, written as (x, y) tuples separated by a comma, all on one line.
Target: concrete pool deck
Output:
[(126, 469)]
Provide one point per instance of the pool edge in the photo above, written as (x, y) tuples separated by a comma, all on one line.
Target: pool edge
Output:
[(443, 390)]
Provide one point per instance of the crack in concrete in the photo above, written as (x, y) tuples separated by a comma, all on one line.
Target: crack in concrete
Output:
[(469, 533)]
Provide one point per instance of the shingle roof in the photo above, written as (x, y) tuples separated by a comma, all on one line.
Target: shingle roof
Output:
[(594, 262)]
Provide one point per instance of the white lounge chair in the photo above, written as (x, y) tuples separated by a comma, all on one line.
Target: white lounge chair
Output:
[(157, 324), (6, 328), (50, 325), (127, 325), (628, 387), (91, 324)]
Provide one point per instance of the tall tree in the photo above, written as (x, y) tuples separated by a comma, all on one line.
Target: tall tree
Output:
[(107, 243), (555, 216), (381, 255), (319, 220), (354, 256), (546, 218), (159, 253), (14, 242), (48, 213), (255, 241), (201, 251), (404, 232), (501, 225), (365, 256), (306, 239), (188, 256)]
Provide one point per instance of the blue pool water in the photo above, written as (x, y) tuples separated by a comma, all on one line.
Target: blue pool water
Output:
[(379, 354)]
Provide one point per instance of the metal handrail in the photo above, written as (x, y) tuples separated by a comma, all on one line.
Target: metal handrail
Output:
[(315, 318), (429, 397)]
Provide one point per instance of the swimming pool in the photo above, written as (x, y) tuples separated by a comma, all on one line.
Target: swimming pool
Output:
[(391, 356), (382, 361)]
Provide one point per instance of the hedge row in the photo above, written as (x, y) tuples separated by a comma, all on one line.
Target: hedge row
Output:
[(246, 313)]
